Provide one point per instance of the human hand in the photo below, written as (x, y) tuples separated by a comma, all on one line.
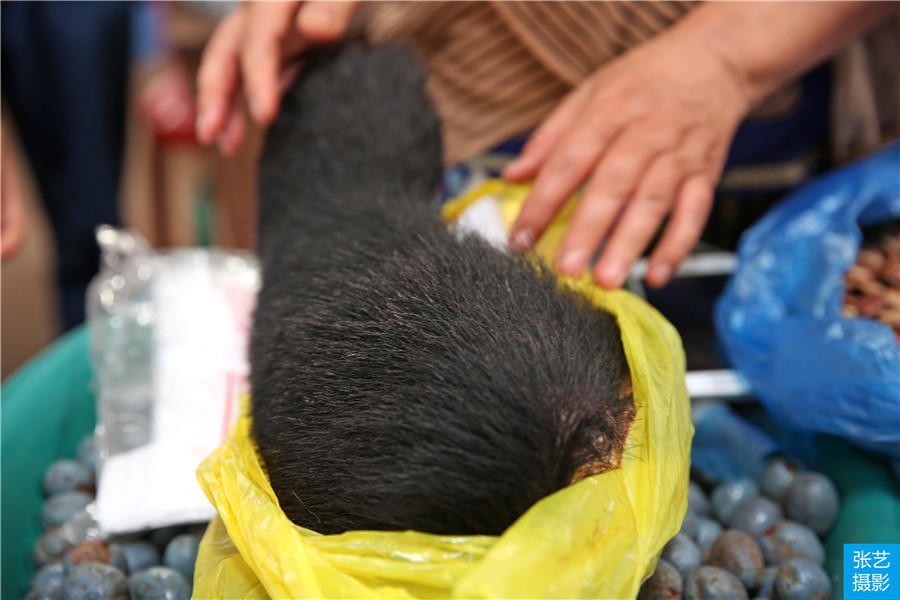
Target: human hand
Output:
[(13, 221), (167, 103), (250, 53), (647, 135)]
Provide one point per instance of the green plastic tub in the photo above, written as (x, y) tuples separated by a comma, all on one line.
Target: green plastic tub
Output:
[(48, 406)]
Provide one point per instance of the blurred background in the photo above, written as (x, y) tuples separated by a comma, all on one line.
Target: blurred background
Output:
[(169, 188), (98, 106)]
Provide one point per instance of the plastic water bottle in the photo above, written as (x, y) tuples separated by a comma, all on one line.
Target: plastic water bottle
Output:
[(121, 318)]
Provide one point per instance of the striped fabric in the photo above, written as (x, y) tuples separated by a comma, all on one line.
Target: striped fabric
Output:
[(498, 68)]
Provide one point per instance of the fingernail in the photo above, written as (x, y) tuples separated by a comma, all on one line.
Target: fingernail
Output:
[(322, 17), (512, 165), (514, 169), (573, 262), (612, 272), (659, 274), (522, 240)]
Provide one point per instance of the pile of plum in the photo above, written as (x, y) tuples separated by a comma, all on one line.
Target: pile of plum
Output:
[(747, 536), (75, 563), (751, 537)]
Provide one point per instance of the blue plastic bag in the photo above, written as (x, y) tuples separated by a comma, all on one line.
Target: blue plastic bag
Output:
[(779, 318)]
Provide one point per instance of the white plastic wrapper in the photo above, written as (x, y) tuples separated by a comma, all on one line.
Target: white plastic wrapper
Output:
[(169, 334)]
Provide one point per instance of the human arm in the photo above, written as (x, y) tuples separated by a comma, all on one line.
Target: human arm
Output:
[(249, 54), (647, 135)]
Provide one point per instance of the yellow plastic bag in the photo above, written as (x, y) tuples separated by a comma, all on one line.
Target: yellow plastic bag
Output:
[(599, 538)]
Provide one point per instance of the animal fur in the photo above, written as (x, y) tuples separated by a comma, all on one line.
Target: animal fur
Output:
[(403, 378)]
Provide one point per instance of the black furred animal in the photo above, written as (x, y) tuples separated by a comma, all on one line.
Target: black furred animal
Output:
[(403, 377)]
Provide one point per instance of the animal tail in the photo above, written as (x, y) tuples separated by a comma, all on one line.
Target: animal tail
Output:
[(356, 129)]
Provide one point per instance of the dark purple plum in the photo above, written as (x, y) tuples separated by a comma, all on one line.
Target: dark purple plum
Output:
[(140, 556), (755, 515), (708, 531), (766, 587), (95, 581), (159, 583), (89, 551), (689, 525), (87, 451), (51, 546), (181, 554), (61, 507), (119, 559), (726, 497), (49, 582), (737, 552), (789, 539), (801, 579), (777, 478), (682, 552), (665, 583), (68, 475), (161, 536), (813, 501), (698, 501), (713, 583)]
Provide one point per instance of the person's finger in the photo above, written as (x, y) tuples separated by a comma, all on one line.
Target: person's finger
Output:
[(592, 219), (232, 135), (13, 219), (565, 169), (615, 178), (648, 206), (217, 77), (689, 216), (268, 25), (323, 21), (12, 239), (545, 137), (289, 74)]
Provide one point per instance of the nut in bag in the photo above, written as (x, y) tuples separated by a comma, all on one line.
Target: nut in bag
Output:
[(780, 318)]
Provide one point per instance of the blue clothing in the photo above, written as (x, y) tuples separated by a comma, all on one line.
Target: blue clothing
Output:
[(65, 68)]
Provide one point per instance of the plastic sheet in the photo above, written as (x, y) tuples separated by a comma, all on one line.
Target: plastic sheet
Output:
[(598, 538), (168, 346), (779, 319)]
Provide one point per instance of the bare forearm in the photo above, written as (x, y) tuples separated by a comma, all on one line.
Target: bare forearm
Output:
[(767, 44)]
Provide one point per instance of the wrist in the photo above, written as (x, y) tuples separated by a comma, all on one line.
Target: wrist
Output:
[(765, 45), (714, 37), (705, 62)]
